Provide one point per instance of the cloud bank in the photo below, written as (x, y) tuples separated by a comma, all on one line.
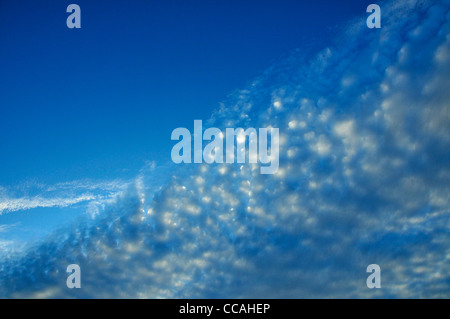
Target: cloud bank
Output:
[(364, 178)]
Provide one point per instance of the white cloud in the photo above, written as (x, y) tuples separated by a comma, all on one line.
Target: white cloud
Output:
[(32, 195)]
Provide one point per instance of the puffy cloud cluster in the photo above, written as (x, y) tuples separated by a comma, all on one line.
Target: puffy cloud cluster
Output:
[(364, 178)]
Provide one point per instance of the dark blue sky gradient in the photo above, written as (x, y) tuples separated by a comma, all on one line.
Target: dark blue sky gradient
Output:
[(99, 101)]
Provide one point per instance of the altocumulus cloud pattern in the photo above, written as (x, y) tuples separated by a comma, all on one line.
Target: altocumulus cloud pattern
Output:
[(364, 178)]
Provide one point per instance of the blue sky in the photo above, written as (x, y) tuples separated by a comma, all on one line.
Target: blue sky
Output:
[(86, 117), (87, 103)]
